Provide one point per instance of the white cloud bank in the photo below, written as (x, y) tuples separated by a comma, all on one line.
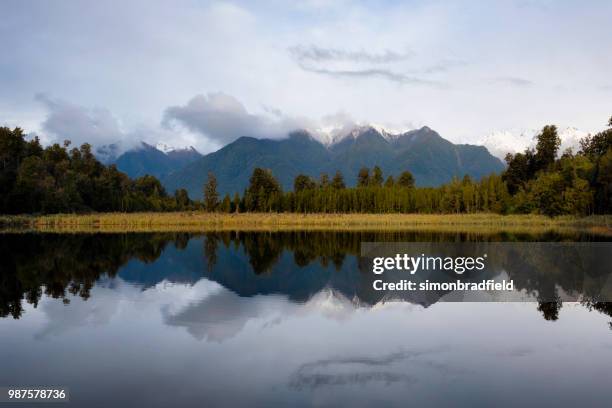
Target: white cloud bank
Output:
[(206, 122), (223, 119)]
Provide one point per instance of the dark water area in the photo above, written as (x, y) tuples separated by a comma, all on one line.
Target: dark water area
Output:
[(286, 318)]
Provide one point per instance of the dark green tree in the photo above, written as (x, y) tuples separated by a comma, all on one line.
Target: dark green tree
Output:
[(263, 190), (211, 196), (338, 181), (547, 193), (182, 199), (519, 170), (596, 145), (363, 177), (149, 186), (303, 182), (603, 183), (548, 142), (390, 182), (226, 204), (324, 180), (406, 180), (377, 177)]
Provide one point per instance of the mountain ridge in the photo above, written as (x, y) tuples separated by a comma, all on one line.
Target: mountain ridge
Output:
[(432, 159), (146, 158)]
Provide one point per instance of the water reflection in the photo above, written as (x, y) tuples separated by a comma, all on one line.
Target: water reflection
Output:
[(277, 319), (298, 265)]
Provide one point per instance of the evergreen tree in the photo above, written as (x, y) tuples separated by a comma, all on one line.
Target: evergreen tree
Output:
[(262, 187), (377, 177), (324, 180), (548, 142), (182, 199), (547, 193), (211, 196), (338, 181), (303, 182), (226, 204), (597, 145), (390, 182), (363, 178), (603, 183), (519, 170), (406, 180)]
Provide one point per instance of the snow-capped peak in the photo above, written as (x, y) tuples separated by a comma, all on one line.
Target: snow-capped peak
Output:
[(387, 132), (163, 147), (333, 136), (166, 148), (502, 142)]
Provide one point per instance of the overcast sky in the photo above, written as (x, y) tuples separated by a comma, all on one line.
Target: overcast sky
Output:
[(204, 73)]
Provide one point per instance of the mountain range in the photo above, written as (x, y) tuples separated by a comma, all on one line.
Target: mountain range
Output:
[(158, 161), (432, 159)]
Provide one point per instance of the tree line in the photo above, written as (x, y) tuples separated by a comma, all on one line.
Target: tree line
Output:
[(58, 179), (264, 194)]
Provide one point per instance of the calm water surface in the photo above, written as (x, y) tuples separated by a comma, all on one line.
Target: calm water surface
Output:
[(271, 319)]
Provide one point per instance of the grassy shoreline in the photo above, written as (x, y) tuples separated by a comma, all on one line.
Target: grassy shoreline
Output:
[(200, 221)]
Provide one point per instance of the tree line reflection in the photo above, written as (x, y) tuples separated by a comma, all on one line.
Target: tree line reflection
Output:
[(298, 264), (57, 265)]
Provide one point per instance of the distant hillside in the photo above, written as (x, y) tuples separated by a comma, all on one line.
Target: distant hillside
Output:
[(432, 159), (147, 159)]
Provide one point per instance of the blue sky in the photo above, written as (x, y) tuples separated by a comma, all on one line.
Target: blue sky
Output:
[(203, 73)]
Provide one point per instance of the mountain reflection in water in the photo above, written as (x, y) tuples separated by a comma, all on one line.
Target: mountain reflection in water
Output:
[(298, 265)]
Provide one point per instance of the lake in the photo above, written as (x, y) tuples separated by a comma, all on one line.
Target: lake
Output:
[(285, 318)]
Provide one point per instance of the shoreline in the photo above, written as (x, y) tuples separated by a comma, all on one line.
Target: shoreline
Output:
[(202, 221)]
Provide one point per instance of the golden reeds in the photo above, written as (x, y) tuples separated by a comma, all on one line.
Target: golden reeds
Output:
[(201, 221)]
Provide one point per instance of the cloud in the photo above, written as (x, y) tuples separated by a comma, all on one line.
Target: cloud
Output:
[(78, 124), (336, 124), (375, 73), (336, 62), (223, 119), (205, 122), (514, 81), (319, 54), (98, 126)]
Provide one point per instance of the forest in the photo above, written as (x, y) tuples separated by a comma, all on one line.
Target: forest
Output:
[(542, 180), (57, 179)]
